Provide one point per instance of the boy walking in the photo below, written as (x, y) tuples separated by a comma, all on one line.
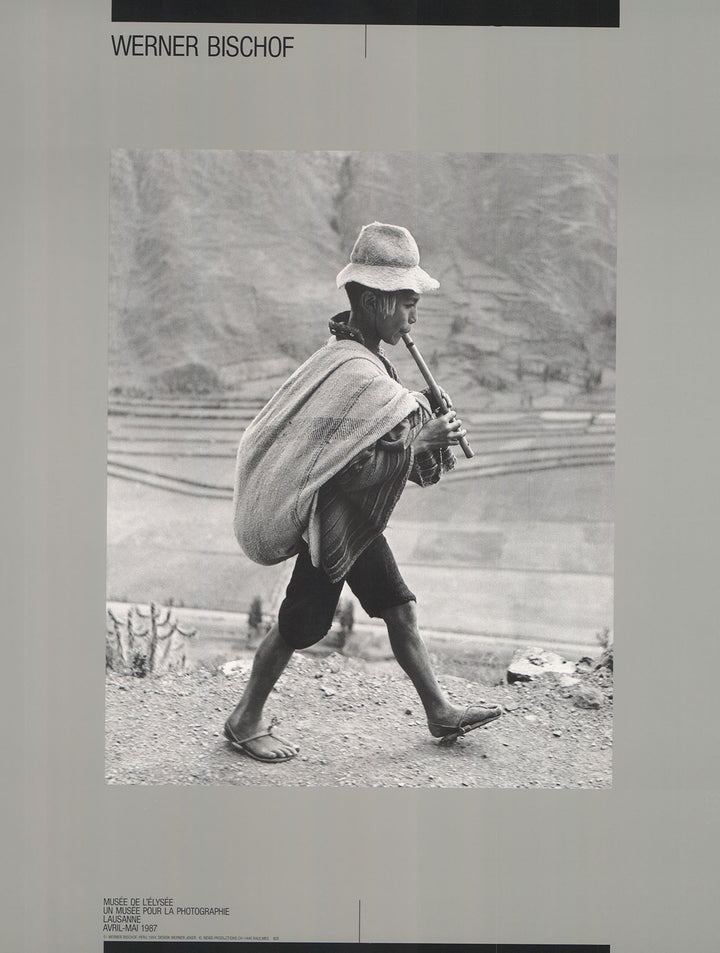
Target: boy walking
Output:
[(318, 474)]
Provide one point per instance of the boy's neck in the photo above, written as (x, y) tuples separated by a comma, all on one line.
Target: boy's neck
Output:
[(370, 337)]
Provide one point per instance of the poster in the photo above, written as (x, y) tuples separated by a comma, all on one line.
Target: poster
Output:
[(629, 866)]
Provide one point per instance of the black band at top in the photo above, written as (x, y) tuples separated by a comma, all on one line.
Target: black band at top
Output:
[(536, 13)]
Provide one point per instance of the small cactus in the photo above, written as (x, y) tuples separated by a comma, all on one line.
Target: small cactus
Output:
[(143, 644)]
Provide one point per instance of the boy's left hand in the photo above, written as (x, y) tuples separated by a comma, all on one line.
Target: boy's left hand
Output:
[(431, 400), (447, 399)]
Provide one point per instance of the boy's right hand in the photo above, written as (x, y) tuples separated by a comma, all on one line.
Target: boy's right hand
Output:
[(440, 432)]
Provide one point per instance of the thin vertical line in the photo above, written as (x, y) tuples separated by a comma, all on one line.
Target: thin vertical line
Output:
[(366, 41), (359, 901)]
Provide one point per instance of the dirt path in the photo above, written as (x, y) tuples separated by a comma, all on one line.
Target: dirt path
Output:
[(359, 725)]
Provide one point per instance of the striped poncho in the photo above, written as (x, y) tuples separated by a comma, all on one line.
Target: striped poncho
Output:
[(327, 458)]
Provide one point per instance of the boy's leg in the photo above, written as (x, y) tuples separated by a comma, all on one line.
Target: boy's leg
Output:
[(271, 657), (412, 655), (304, 618), (377, 582)]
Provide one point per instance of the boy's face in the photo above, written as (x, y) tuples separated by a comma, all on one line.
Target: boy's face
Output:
[(392, 327)]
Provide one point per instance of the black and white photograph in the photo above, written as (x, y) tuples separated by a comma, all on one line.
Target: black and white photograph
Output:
[(361, 443)]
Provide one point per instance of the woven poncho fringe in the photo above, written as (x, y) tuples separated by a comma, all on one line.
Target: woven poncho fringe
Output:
[(339, 402)]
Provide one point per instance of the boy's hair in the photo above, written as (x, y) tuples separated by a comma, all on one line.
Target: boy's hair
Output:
[(386, 299)]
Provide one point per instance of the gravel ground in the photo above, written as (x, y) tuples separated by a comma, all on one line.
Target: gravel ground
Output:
[(361, 725)]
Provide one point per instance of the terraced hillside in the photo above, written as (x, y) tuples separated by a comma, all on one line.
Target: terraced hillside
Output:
[(225, 263), (515, 543)]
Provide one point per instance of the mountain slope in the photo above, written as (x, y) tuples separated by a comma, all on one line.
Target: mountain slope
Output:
[(227, 261)]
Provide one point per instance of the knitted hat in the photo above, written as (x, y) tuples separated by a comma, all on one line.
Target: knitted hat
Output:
[(386, 257)]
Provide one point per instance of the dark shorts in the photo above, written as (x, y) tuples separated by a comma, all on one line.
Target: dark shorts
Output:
[(307, 611)]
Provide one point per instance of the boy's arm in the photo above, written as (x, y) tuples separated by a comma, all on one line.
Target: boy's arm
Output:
[(388, 455), (382, 461), (429, 465), (433, 449)]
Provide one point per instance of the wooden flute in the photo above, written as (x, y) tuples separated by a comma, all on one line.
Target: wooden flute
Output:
[(434, 389)]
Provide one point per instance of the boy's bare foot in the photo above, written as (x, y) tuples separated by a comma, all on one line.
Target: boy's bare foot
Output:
[(259, 742), (454, 720)]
